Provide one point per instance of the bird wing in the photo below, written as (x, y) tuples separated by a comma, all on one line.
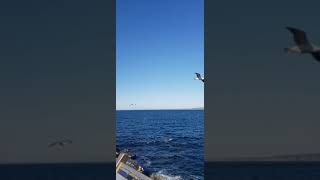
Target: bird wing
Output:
[(52, 144), (63, 142), (299, 36), (198, 75), (67, 141), (316, 55)]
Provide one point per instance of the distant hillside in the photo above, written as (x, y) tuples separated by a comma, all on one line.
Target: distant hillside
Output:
[(200, 108)]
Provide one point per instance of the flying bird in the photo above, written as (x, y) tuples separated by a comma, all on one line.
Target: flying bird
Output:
[(303, 45), (59, 144), (199, 77)]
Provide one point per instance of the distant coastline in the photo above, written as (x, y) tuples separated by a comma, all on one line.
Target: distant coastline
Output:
[(182, 109)]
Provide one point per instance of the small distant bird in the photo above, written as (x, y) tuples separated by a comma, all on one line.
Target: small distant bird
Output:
[(303, 44), (199, 77), (132, 104), (59, 144)]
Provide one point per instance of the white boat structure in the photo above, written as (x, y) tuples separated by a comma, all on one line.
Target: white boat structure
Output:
[(128, 169)]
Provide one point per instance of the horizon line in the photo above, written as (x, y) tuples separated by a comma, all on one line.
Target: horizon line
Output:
[(201, 108)]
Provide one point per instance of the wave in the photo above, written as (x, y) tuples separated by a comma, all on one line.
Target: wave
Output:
[(161, 175), (166, 140)]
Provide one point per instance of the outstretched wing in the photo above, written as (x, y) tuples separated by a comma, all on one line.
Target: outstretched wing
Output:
[(52, 144), (60, 143), (198, 75), (316, 55), (300, 37), (67, 141)]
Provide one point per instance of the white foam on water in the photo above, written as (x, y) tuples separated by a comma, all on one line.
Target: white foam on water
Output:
[(161, 175), (168, 140)]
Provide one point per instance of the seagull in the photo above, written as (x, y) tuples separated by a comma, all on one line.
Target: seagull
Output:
[(199, 77), (303, 45), (59, 144)]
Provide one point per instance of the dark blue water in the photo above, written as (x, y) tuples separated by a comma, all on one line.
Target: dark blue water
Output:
[(263, 170), (214, 170), (90, 171), (166, 142)]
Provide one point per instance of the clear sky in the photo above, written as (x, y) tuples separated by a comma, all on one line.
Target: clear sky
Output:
[(159, 48), (55, 73), (262, 100)]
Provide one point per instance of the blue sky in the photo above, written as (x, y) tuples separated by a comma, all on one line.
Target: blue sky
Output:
[(159, 47), (264, 101), (54, 77)]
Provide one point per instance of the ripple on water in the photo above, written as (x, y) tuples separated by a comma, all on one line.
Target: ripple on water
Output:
[(168, 143)]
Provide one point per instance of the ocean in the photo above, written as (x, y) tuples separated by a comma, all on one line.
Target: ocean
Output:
[(213, 170), (262, 170), (82, 171), (167, 143)]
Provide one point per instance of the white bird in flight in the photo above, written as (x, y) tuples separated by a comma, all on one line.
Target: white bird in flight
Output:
[(303, 45), (199, 77)]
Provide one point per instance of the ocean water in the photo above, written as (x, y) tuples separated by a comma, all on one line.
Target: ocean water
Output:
[(167, 143), (83, 171), (262, 170)]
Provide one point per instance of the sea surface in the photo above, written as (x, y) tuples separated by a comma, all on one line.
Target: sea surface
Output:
[(213, 171), (262, 170), (70, 171), (167, 143)]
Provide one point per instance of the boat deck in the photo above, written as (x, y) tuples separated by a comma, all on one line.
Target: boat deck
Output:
[(127, 169)]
